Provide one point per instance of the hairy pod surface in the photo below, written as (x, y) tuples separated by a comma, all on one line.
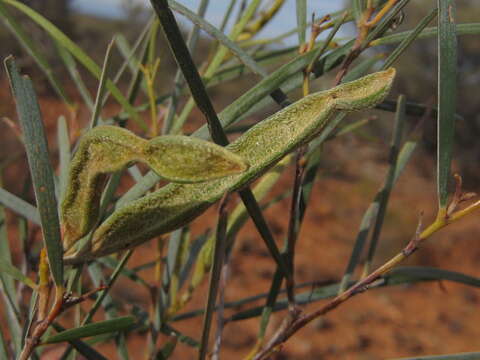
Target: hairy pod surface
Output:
[(262, 146), (106, 149)]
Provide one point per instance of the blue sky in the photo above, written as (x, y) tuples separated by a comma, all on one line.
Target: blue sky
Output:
[(284, 20)]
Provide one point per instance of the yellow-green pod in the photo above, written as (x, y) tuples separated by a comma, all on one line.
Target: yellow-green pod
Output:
[(106, 149), (262, 146)]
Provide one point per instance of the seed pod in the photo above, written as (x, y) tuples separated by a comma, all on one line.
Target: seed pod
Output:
[(106, 149), (262, 146)]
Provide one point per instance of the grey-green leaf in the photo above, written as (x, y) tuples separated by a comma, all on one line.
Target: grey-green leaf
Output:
[(40, 167), (447, 92), (94, 329), (20, 206), (8, 269), (459, 356)]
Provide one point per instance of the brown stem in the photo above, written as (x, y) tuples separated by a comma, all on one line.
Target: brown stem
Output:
[(63, 301), (43, 325), (293, 225)]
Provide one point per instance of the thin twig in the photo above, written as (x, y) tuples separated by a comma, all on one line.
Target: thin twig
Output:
[(221, 307), (294, 222), (218, 258), (43, 325)]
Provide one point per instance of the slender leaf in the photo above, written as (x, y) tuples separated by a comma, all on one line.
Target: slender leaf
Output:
[(406, 274), (187, 340), (104, 293), (267, 309), (96, 274), (459, 356), (359, 243), (101, 85), (186, 64), (227, 14), (173, 265), (167, 350), (358, 7), (142, 40), (8, 287), (461, 29), (178, 81), (301, 11), (8, 269), (126, 51), (384, 193), (136, 81), (218, 259), (404, 156), (40, 167), (447, 93), (194, 251), (74, 73), (64, 153), (94, 329), (29, 323), (20, 206), (413, 109), (84, 349)]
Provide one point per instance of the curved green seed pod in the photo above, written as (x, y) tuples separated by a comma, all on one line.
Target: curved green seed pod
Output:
[(262, 146), (106, 149)]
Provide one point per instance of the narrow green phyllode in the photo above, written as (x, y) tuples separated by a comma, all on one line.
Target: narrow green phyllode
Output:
[(262, 146), (106, 149)]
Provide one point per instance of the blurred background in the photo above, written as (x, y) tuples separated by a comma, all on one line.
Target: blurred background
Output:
[(422, 319)]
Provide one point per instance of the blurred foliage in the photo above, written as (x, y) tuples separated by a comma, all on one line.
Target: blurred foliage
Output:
[(419, 63)]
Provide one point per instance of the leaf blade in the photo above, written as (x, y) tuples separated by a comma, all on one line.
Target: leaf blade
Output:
[(459, 356), (447, 91), (94, 329), (19, 206), (40, 167)]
